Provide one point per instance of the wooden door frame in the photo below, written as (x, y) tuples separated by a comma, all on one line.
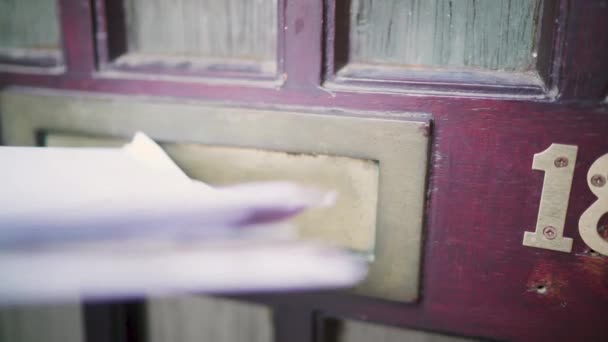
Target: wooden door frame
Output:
[(477, 278)]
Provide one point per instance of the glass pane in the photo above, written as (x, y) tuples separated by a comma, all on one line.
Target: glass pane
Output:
[(50, 323), (351, 331), (494, 35), (213, 29), (29, 27), (194, 319)]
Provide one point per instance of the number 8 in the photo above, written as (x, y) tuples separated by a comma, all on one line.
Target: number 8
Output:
[(587, 225)]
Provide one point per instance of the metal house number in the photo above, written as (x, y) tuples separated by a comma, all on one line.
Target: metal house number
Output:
[(558, 164)]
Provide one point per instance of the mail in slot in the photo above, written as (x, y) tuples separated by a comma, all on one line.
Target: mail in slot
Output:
[(122, 222), (377, 167)]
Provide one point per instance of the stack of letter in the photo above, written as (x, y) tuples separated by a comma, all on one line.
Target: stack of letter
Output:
[(82, 223)]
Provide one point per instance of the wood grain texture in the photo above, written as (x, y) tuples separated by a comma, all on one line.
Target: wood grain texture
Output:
[(29, 24), (234, 39), (478, 278), (77, 35), (583, 67), (342, 70), (195, 319), (231, 29), (50, 323), (495, 35), (300, 46)]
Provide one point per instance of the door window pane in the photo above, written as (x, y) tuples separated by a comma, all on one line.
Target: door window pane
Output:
[(352, 331), (494, 35), (49, 323), (194, 319), (29, 29), (210, 29)]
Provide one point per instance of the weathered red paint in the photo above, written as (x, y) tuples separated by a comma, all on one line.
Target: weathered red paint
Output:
[(478, 278)]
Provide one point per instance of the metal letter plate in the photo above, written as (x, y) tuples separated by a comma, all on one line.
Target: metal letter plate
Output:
[(379, 165), (355, 180)]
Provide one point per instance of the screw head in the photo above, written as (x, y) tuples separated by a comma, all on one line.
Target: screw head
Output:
[(598, 180), (550, 232), (560, 162)]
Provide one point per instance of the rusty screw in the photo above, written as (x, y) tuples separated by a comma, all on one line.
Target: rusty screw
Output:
[(550, 232), (598, 180), (560, 162)]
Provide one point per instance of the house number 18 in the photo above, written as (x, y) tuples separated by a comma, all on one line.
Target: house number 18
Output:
[(558, 164)]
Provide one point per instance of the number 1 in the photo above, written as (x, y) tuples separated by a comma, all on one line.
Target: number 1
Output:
[(558, 163)]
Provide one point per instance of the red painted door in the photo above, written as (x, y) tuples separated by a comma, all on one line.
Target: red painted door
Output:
[(501, 81)]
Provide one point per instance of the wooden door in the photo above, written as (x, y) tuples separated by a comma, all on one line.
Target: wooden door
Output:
[(500, 81)]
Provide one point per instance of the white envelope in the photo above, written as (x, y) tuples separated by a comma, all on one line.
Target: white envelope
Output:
[(121, 222)]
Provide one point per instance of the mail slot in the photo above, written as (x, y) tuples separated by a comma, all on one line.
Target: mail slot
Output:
[(351, 223), (377, 165)]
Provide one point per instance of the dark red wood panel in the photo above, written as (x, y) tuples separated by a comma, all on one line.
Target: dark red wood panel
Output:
[(77, 36), (293, 323), (477, 269), (584, 65), (478, 278), (302, 45)]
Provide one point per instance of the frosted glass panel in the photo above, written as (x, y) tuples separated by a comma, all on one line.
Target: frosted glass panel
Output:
[(489, 34), (351, 331), (49, 323), (199, 319), (213, 29), (29, 24)]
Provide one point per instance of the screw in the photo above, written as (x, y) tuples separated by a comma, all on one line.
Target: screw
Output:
[(550, 232), (560, 162), (598, 180)]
